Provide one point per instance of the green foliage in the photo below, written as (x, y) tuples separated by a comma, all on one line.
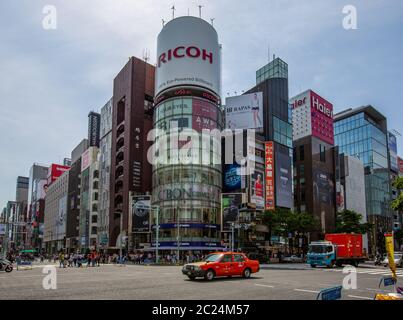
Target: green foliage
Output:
[(397, 204), (281, 222), (348, 221)]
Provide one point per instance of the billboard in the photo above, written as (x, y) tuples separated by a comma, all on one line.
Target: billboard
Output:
[(323, 187), (269, 172), (400, 165), (232, 177), (141, 207), (2, 229), (40, 188), (244, 112), (312, 115), (61, 218), (257, 189), (85, 160), (188, 53), (284, 196), (230, 203), (392, 143), (55, 171)]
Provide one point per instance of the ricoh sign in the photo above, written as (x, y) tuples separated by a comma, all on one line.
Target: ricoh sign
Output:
[(188, 54)]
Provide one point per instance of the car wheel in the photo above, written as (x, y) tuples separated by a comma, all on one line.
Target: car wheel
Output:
[(246, 273), (209, 275), (192, 277)]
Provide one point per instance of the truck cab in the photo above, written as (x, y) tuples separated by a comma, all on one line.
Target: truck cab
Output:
[(322, 253)]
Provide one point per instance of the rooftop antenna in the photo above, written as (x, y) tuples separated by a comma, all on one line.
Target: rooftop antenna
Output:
[(163, 22), (173, 12), (268, 51), (146, 55), (212, 21), (200, 7)]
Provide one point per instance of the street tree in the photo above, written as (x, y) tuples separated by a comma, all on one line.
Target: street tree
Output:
[(397, 204), (349, 221)]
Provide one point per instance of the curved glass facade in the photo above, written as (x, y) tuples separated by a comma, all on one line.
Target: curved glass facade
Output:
[(187, 172)]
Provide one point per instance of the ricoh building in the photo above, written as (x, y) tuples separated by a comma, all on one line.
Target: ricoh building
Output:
[(186, 157)]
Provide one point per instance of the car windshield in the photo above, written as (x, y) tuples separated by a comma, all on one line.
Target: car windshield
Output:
[(397, 256), (320, 249), (213, 257)]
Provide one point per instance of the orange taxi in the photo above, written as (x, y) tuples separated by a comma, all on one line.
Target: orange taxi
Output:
[(222, 264)]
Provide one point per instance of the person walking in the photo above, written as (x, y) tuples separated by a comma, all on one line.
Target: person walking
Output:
[(61, 260)]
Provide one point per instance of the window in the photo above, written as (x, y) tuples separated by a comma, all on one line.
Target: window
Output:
[(227, 258), (322, 150), (238, 258), (301, 153)]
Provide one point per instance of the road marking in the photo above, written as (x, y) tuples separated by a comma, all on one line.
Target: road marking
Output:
[(359, 297), (263, 285), (304, 290)]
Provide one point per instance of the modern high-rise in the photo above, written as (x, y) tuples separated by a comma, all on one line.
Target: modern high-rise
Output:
[(314, 159), (362, 133), (133, 92), (105, 174)]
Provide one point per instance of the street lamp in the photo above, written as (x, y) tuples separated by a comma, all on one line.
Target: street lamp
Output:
[(157, 233)]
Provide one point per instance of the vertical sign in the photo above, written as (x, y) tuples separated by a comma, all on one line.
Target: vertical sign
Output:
[(269, 162)]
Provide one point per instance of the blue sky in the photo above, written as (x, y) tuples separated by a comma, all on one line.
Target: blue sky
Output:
[(51, 79)]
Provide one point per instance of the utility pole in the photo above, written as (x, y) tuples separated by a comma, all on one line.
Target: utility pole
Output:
[(157, 235)]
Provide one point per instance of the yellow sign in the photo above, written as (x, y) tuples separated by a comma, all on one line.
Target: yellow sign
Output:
[(390, 251)]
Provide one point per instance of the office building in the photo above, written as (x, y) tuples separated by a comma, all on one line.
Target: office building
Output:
[(133, 92), (362, 133)]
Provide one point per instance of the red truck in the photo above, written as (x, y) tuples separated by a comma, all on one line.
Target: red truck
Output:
[(337, 249)]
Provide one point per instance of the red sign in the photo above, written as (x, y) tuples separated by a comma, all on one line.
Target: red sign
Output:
[(322, 118), (269, 164), (204, 115), (55, 171), (182, 52), (400, 164)]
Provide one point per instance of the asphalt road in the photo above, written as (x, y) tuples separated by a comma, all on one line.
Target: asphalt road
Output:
[(277, 282)]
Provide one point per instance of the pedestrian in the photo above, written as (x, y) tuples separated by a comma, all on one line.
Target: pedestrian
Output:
[(61, 260)]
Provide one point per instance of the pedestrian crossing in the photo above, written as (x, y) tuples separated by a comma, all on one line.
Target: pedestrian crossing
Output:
[(371, 271)]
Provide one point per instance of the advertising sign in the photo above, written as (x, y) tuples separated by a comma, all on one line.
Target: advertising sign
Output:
[(269, 163), (232, 177), (85, 160), (61, 218), (188, 53), (244, 112), (284, 197), (257, 189), (2, 229), (400, 165), (41, 187), (204, 115), (393, 152), (55, 171), (230, 203), (141, 213), (323, 187), (322, 118), (312, 115)]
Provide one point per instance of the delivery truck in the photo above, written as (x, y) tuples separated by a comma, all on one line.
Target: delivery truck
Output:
[(337, 249)]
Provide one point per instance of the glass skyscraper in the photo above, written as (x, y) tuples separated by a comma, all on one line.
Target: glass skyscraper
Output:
[(362, 133)]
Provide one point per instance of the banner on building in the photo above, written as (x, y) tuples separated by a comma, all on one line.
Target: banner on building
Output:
[(230, 203), (284, 197), (257, 189), (2, 229), (141, 208), (244, 112), (391, 253), (269, 164)]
